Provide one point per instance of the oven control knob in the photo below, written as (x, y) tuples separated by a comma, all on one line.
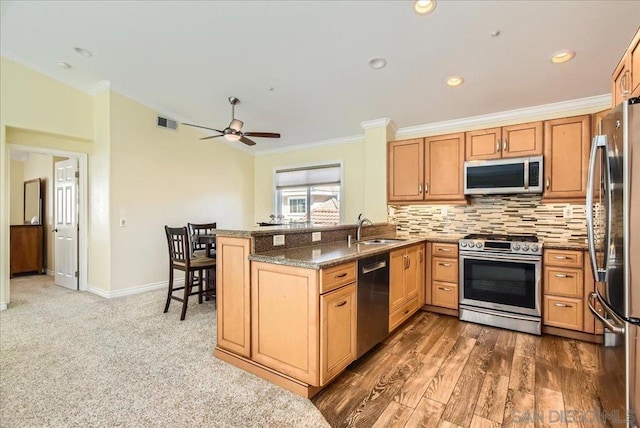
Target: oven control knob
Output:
[(516, 247), (534, 247), (463, 243), (478, 244), (525, 247)]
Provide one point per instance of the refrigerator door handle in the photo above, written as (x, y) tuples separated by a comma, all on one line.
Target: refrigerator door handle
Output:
[(616, 329), (599, 142)]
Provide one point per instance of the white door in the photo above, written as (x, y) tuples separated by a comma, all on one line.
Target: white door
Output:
[(66, 223)]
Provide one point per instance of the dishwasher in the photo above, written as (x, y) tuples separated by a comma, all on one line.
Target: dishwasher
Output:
[(373, 301)]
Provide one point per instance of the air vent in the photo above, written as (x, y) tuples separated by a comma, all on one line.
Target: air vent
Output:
[(164, 122)]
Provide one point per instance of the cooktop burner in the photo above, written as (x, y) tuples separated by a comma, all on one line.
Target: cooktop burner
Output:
[(499, 237)]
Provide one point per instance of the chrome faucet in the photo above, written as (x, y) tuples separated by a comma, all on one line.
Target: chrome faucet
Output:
[(362, 222)]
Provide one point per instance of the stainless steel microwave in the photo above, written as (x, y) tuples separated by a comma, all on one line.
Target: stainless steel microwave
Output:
[(514, 175)]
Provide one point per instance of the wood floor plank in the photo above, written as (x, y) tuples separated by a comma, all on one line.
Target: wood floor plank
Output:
[(588, 355), (479, 422), (549, 408), (519, 410), (523, 373), (500, 363), (472, 330), (580, 392), (526, 345), (427, 414), (568, 354), (412, 391), (334, 405), (548, 376), (492, 397), (548, 350), (395, 415), (441, 386)]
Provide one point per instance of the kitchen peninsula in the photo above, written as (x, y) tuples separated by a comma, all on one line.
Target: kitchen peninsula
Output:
[(287, 313)]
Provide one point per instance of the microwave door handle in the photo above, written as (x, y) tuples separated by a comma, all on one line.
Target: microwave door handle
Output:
[(598, 143), (526, 174)]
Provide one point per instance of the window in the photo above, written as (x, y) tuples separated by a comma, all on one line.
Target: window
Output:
[(310, 194)]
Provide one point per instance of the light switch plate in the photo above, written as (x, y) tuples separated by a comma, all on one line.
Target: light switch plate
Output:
[(444, 211), (278, 240), (568, 212), (316, 236)]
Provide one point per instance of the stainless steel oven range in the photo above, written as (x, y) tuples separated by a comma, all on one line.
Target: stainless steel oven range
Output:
[(500, 278)]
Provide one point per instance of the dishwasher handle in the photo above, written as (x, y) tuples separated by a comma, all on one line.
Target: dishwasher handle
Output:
[(374, 266)]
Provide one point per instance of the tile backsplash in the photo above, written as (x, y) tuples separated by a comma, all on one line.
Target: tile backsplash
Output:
[(511, 214)]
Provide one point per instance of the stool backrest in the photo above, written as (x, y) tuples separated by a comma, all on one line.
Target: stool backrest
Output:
[(179, 243), (200, 229)]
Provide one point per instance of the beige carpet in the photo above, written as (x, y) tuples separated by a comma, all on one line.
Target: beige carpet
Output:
[(70, 358)]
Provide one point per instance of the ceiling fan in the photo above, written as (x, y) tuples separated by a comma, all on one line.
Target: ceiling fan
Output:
[(234, 132)]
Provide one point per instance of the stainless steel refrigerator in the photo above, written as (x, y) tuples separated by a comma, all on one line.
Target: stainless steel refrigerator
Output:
[(613, 226)]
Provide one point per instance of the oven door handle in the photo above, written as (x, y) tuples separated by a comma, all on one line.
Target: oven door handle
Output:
[(500, 257)]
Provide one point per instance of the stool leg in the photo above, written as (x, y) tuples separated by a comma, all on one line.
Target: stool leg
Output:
[(200, 283), (187, 290), (166, 306)]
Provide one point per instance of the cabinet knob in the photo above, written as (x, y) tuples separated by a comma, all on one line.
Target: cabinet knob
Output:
[(444, 288), (426, 187), (342, 275), (445, 264), (446, 250), (563, 275), (420, 188), (562, 305), (504, 145), (497, 145), (623, 84), (344, 302), (547, 183)]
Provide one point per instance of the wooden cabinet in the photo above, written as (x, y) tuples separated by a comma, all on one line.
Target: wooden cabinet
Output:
[(428, 169), (443, 286), (567, 282), (26, 249), (509, 141), (406, 278), (567, 144), (625, 81), (233, 289), (338, 346)]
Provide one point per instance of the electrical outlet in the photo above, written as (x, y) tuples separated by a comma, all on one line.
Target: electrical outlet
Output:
[(278, 240), (568, 212), (444, 211), (123, 222), (316, 236)]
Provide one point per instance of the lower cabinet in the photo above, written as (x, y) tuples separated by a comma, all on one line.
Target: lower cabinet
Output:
[(443, 276), (406, 283), (297, 331)]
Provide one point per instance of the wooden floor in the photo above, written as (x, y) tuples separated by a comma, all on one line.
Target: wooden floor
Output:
[(439, 371)]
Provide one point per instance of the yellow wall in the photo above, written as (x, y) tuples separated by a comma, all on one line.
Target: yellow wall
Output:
[(160, 177), (16, 201), (353, 164)]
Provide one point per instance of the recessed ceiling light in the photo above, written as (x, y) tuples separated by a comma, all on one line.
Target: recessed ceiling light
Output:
[(495, 33), (424, 7), (454, 81), (377, 63), (64, 65), (562, 56), (83, 52)]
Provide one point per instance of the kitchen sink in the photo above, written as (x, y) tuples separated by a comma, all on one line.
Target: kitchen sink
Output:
[(381, 241)]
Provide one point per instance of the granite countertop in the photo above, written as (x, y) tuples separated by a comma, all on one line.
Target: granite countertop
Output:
[(284, 229), (327, 255), (565, 245), (447, 238)]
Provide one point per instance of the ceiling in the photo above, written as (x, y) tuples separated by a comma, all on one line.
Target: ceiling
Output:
[(301, 67)]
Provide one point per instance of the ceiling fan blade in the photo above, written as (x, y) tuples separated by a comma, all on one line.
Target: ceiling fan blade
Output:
[(203, 127), (213, 136), (247, 141), (263, 134)]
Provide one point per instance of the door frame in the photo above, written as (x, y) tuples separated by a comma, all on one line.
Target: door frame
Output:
[(83, 217)]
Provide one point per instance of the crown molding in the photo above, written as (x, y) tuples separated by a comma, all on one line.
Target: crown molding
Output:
[(375, 123), (98, 87), (332, 142), (541, 112)]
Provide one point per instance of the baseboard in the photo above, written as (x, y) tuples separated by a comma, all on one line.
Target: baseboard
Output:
[(50, 272), (3, 306), (133, 290)]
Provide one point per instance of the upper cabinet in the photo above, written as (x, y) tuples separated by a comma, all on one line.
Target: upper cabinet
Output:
[(626, 76), (509, 141), (428, 169), (566, 156)]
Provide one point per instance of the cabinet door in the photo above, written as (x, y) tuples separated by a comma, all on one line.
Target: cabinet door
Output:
[(444, 160), (338, 337), (522, 140), (566, 157), (397, 265), (233, 290), (620, 82), (483, 144), (406, 170), (634, 65), (285, 321), (411, 273), (422, 262)]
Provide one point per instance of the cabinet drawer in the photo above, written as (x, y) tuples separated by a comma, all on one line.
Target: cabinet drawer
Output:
[(337, 276), (563, 312), (445, 294), (444, 250), (445, 270), (402, 313), (566, 258), (563, 282)]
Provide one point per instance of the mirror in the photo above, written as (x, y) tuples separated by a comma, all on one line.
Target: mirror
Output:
[(32, 202)]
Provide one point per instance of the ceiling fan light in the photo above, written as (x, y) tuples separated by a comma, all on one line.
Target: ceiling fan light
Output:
[(236, 124), (232, 137)]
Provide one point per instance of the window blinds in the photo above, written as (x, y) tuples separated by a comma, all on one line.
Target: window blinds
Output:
[(320, 175)]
